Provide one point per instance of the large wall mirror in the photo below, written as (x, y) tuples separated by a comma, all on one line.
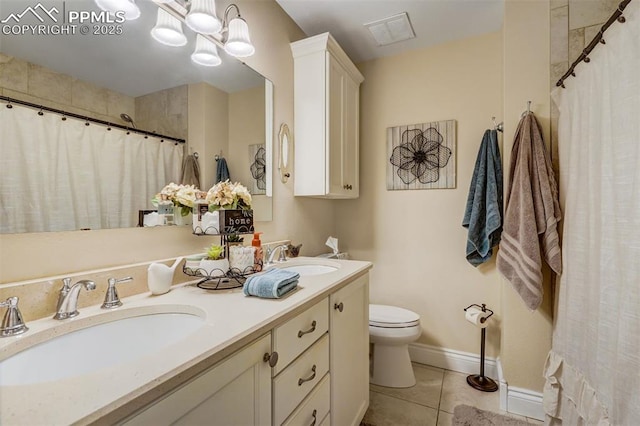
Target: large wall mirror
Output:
[(117, 73)]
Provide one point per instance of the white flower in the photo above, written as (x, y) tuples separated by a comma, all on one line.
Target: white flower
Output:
[(186, 195), (227, 195)]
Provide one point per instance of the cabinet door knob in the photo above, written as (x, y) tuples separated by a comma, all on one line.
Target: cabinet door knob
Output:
[(338, 306), (345, 186), (311, 330), (314, 415), (311, 377), (272, 358)]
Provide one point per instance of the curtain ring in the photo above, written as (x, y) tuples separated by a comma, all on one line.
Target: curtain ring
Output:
[(9, 106), (64, 117), (86, 123), (621, 18), (40, 113)]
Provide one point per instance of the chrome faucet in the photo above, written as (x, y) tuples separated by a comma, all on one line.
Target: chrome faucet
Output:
[(111, 299), (68, 298), (12, 323), (271, 253)]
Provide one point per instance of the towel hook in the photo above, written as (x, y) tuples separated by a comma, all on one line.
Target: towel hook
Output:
[(497, 126)]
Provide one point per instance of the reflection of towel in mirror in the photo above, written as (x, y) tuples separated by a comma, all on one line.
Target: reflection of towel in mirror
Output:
[(222, 170), (483, 216), (531, 216), (190, 171), (271, 284)]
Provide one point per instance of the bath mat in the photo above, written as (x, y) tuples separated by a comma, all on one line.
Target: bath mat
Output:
[(464, 415)]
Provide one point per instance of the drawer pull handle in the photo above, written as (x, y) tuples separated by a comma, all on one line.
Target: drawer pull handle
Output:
[(311, 330), (314, 414), (339, 306), (311, 377), (272, 358)]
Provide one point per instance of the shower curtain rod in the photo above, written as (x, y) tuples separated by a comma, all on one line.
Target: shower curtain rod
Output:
[(617, 16), (85, 118)]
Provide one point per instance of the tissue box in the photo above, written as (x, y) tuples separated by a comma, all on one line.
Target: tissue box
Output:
[(236, 221)]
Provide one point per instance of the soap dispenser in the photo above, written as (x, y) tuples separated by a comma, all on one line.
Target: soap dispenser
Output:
[(258, 254)]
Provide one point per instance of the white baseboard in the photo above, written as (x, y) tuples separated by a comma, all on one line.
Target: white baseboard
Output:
[(463, 362), (523, 402)]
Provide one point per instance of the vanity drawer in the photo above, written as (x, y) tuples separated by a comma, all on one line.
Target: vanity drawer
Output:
[(314, 408), (293, 337), (293, 385)]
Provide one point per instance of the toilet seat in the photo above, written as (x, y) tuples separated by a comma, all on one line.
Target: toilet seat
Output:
[(384, 316)]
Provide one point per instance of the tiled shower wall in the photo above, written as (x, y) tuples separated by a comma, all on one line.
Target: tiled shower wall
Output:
[(574, 23)]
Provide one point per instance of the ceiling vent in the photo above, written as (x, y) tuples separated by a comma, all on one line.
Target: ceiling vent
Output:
[(392, 29)]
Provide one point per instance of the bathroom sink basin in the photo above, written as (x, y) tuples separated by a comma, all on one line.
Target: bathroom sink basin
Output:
[(312, 269), (96, 347)]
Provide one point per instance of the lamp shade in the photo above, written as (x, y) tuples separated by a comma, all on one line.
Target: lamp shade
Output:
[(168, 30), (238, 43), (130, 8), (202, 17), (206, 53)]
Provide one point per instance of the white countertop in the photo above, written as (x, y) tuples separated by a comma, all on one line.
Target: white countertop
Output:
[(231, 320)]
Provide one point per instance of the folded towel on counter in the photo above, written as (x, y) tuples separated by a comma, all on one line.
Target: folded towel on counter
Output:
[(271, 284), (483, 215)]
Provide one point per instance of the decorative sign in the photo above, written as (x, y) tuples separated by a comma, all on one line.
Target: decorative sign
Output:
[(236, 221), (422, 156)]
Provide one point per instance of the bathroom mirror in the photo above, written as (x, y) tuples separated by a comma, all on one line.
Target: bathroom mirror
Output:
[(109, 76), (285, 150)]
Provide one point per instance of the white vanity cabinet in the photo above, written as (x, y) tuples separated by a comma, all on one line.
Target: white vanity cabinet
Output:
[(321, 375), (236, 391), (326, 121), (349, 353)]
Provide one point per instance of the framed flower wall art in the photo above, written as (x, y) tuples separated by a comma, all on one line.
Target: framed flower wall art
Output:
[(257, 166), (422, 156)]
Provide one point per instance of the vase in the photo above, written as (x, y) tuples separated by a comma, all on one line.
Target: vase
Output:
[(241, 258), (179, 219), (215, 268)]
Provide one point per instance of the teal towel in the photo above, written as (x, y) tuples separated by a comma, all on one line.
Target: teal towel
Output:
[(271, 284)]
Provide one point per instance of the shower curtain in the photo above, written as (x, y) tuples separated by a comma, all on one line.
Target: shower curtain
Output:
[(593, 370), (62, 175)]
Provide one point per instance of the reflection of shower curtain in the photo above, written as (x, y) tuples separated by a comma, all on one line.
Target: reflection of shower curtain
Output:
[(60, 175), (593, 369)]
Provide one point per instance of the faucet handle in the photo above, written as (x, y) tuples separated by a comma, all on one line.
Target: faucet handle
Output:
[(12, 323), (111, 299)]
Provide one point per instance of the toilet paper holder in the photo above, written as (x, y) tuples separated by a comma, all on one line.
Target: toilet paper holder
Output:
[(479, 381), (484, 309)]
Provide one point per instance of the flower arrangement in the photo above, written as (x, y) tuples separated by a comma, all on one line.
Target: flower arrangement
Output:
[(229, 196), (183, 196)]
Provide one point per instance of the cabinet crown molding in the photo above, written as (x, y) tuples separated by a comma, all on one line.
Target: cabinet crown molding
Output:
[(326, 42)]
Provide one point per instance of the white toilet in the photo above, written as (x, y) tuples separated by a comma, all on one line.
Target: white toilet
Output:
[(391, 329)]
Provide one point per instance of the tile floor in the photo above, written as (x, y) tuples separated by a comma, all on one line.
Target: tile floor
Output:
[(431, 401)]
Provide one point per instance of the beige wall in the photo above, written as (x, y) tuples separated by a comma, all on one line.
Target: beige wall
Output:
[(306, 221), (415, 237), (208, 128), (32, 83), (246, 127), (526, 336)]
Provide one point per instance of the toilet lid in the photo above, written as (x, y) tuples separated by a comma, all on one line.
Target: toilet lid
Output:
[(392, 317)]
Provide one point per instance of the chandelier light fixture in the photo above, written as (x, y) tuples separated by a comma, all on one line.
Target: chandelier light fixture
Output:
[(202, 17), (168, 30), (129, 7), (206, 53), (231, 34)]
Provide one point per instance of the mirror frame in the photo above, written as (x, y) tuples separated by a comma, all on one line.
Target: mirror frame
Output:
[(284, 136)]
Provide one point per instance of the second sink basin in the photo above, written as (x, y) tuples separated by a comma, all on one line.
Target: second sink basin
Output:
[(310, 269), (96, 347)]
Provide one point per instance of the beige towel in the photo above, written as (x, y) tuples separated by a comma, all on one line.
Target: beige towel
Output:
[(190, 171), (532, 215)]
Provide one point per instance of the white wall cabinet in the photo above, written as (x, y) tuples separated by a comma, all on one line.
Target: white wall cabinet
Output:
[(326, 123), (236, 391), (349, 352)]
